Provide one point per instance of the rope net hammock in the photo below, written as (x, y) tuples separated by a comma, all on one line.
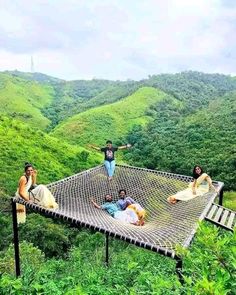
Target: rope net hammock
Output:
[(166, 225)]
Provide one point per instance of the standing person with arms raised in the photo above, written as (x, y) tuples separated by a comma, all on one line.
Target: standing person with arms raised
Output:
[(109, 153)]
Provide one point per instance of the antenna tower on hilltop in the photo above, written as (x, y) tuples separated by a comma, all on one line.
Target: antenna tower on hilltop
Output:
[(32, 65)]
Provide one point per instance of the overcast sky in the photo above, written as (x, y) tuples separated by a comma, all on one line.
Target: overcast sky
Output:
[(118, 39)]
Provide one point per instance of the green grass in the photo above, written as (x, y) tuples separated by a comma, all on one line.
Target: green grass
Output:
[(229, 200), (22, 99), (209, 264), (52, 157), (110, 121)]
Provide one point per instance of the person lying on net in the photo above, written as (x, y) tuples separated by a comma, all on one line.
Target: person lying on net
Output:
[(201, 184), (109, 156), (128, 215), (127, 202), (30, 192)]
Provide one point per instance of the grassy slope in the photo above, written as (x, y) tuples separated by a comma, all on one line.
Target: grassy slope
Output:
[(23, 99), (37, 77), (110, 94), (209, 138), (109, 121), (229, 200), (53, 158)]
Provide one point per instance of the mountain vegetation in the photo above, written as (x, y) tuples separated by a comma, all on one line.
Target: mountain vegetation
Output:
[(195, 87), (173, 121), (53, 158), (110, 121), (24, 100), (176, 142), (73, 97)]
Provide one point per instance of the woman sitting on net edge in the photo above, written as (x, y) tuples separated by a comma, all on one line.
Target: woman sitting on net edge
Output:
[(202, 184), (30, 192)]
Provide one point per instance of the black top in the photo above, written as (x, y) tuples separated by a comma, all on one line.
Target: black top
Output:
[(109, 153)]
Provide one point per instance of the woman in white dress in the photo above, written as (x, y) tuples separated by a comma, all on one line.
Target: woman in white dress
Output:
[(201, 184), (30, 192)]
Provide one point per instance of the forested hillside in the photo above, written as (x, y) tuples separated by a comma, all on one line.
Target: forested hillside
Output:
[(176, 142), (53, 158), (201, 132), (78, 96), (195, 87), (73, 97), (110, 121), (25, 100), (172, 121), (191, 120)]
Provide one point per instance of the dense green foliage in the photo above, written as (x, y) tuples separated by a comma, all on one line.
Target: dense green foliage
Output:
[(194, 88), (70, 98), (65, 98), (173, 122), (53, 158), (110, 121), (25, 100), (75, 97), (209, 268), (174, 142)]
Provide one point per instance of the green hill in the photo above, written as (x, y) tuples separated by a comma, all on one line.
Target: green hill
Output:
[(74, 97), (71, 97), (193, 86), (92, 111), (177, 141), (24, 100), (173, 122), (37, 77), (110, 121), (53, 158)]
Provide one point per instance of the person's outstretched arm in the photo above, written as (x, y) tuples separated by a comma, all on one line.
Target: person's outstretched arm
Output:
[(209, 181), (95, 204), (123, 147), (94, 147)]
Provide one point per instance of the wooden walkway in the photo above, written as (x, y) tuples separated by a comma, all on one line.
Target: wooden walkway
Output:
[(221, 216)]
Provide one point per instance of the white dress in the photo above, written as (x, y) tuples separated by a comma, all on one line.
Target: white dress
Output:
[(40, 195), (128, 216), (202, 187)]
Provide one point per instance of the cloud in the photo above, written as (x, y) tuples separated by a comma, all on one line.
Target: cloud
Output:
[(118, 39), (26, 27)]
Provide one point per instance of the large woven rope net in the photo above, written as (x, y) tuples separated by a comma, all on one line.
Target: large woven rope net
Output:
[(166, 225)]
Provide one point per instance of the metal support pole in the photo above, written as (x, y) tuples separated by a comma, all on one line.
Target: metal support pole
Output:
[(179, 266), (107, 254), (16, 240), (221, 195)]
